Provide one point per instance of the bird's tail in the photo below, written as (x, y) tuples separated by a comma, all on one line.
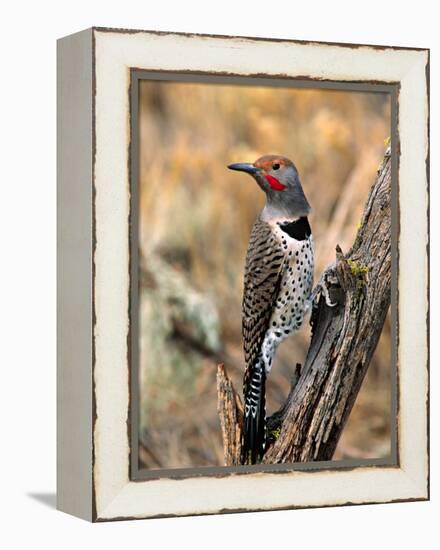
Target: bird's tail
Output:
[(254, 425)]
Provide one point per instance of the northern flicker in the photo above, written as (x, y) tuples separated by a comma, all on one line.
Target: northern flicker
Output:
[(278, 282)]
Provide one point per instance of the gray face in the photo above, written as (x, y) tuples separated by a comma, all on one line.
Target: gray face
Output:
[(278, 178)]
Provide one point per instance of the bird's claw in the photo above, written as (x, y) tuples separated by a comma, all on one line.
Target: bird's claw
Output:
[(327, 297), (322, 288)]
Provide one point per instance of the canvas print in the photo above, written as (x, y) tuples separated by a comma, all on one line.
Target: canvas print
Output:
[(257, 206)]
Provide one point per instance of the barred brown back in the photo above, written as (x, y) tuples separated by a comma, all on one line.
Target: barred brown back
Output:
[(262, 278)]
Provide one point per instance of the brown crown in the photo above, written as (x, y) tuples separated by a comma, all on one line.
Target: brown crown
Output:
[(266, 161)]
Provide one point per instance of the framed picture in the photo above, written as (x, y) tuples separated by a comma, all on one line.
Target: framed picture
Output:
[(242, 274)]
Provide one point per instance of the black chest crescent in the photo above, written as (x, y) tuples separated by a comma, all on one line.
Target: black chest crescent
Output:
[(298, 230)]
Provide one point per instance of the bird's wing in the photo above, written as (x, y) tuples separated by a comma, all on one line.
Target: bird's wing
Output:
[(263, 273)]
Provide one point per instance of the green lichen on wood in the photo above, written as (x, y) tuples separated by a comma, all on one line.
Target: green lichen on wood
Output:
[(360, 271), (275, 433)]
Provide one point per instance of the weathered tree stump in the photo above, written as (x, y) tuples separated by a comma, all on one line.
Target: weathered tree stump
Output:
[(344, 337)]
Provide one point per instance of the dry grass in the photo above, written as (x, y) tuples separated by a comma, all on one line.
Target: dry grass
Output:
[(197, 216)]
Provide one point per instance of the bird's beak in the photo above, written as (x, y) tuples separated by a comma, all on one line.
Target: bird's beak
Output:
[(244, 167)]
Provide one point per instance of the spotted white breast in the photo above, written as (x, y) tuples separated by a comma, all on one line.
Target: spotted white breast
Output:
[(295, 289)]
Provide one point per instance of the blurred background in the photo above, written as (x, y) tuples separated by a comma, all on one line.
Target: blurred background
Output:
[(195, 220)]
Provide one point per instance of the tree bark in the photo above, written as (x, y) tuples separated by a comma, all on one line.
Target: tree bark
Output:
[(344, 337)]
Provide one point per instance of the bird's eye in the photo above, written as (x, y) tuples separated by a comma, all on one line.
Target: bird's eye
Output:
[(275, 166)]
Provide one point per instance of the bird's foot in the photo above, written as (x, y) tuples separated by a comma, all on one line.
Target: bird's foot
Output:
[(322, 288)]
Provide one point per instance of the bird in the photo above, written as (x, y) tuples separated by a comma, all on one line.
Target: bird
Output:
[(278, 282)]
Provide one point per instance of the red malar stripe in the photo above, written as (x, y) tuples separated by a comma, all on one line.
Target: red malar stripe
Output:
[(274, 183)]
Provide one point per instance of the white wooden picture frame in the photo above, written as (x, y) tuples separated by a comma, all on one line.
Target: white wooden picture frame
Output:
[(95, 404)]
